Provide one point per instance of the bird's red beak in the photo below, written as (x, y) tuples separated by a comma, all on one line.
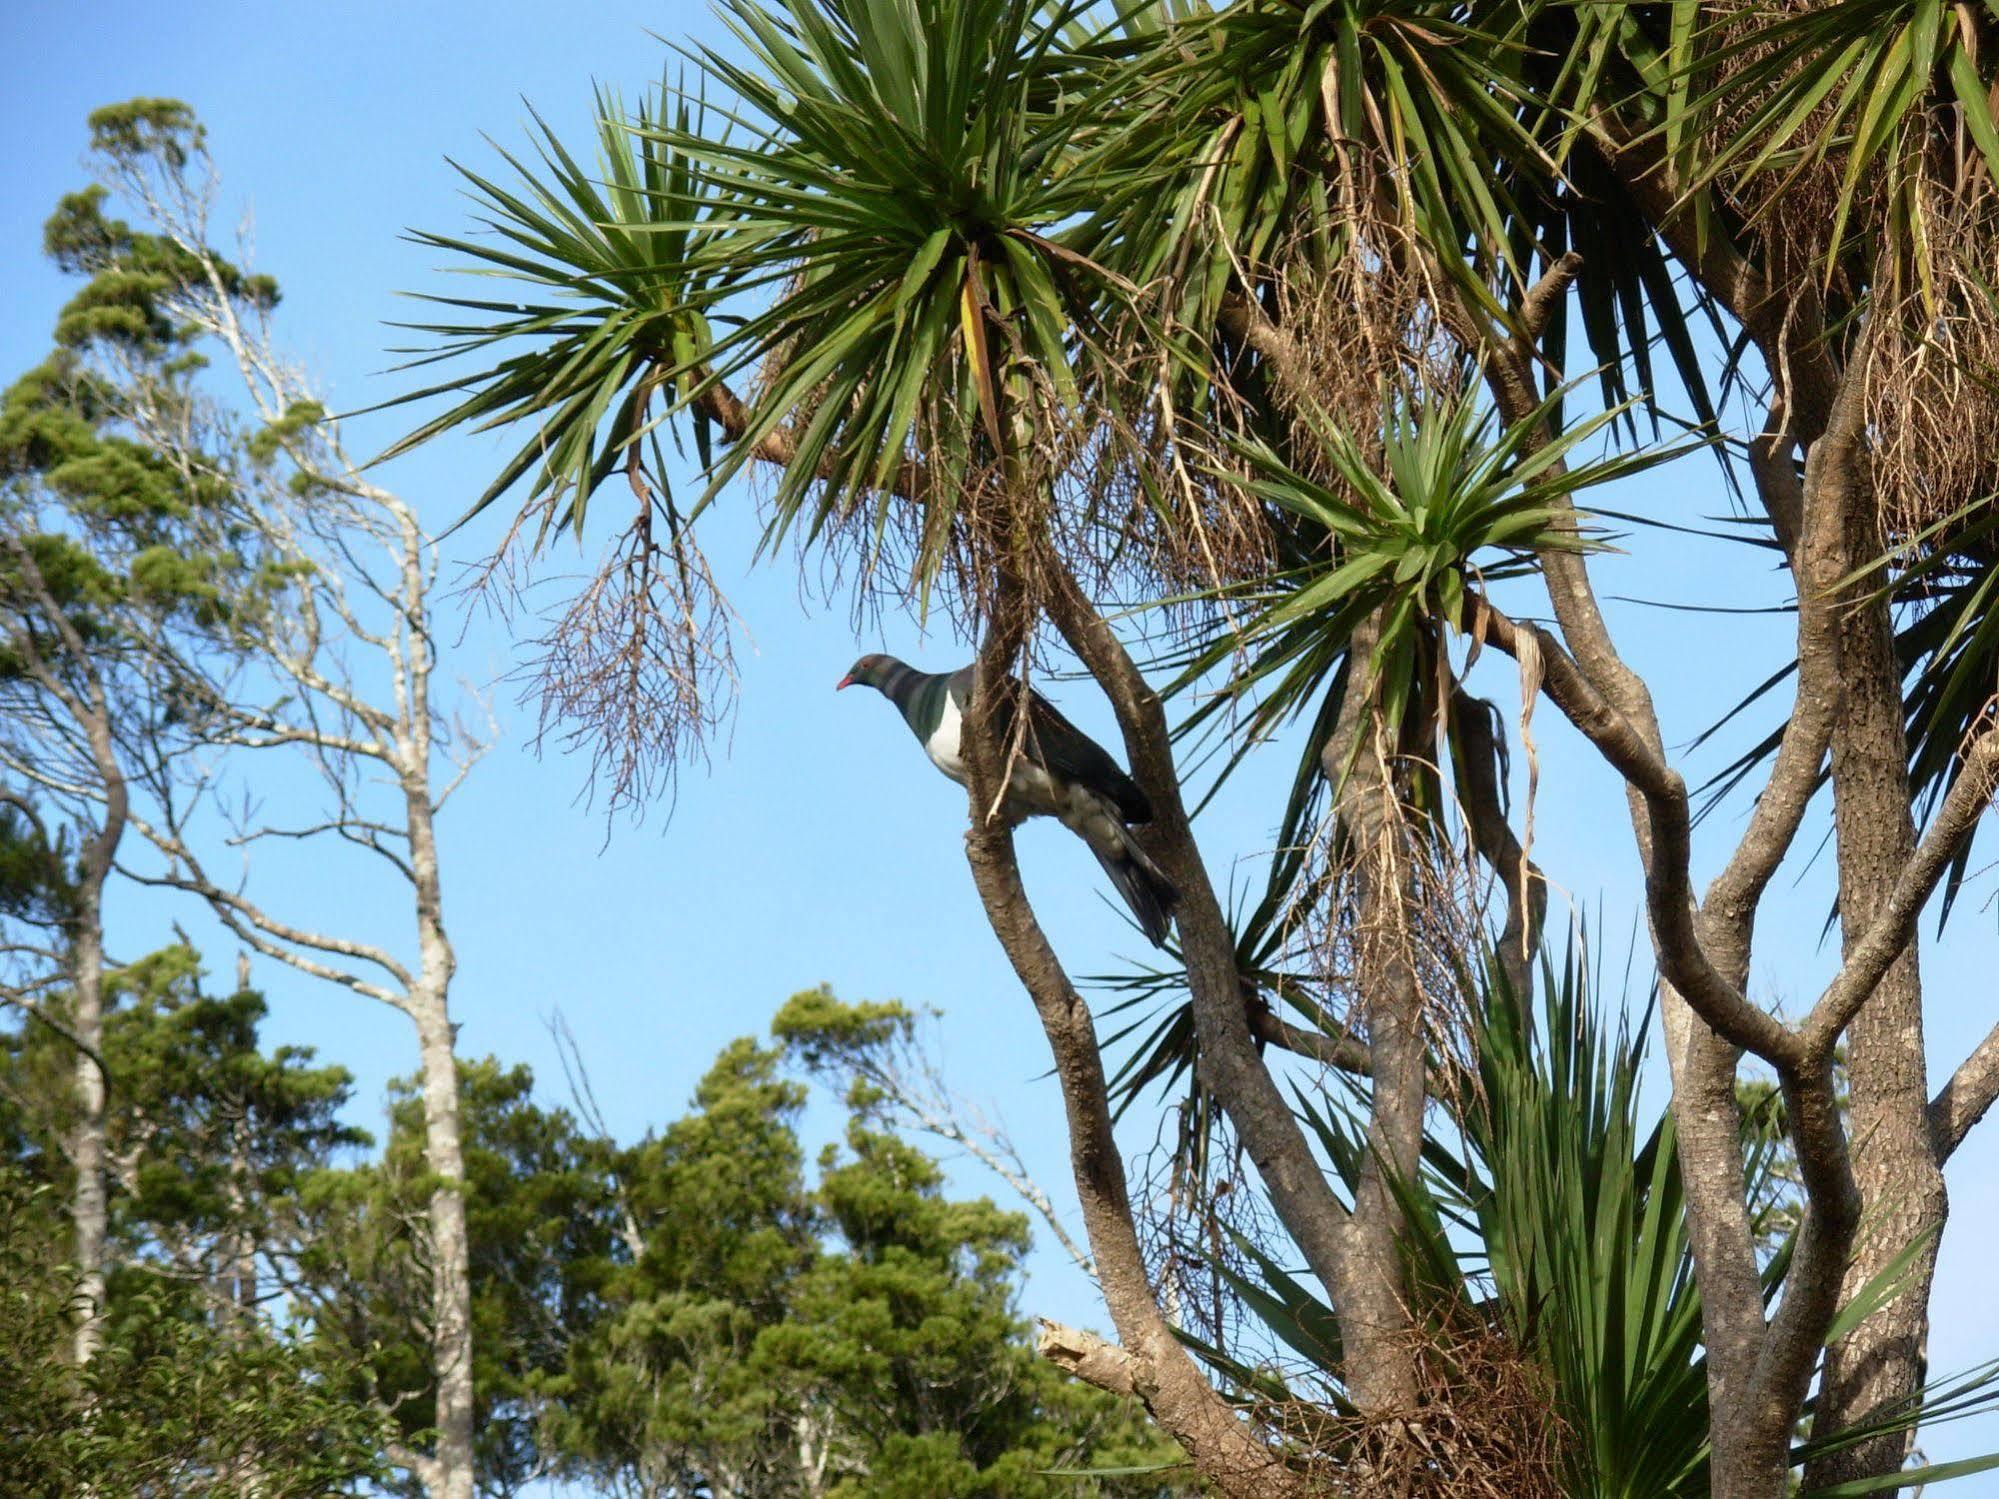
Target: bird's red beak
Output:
[(846, 681)]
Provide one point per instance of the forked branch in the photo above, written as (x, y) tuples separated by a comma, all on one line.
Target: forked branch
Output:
[(1230, 1066), (1669, 895), (1161, 1372)]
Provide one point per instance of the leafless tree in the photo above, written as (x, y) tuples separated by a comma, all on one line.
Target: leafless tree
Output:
[(333, 670)]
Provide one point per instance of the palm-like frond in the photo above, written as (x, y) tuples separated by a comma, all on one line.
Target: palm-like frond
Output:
[(899, 185), (1554, 1218), (1452, 505), (1256, 116), (1449, 507), (615, 311), (1556, 1215), (872, 238), (1582, 1222), (1387, 135)]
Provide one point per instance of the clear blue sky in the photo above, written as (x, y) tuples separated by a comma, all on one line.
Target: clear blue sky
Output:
[(821, 847)]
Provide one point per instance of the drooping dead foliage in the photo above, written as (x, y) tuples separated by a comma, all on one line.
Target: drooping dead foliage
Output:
[(637, 668), (1903, 245), (1932, 374)]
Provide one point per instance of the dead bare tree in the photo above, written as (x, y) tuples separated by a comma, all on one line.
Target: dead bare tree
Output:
[(332, 667)]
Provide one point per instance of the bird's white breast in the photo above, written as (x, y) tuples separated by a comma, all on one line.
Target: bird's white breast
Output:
[(1030, 791), (942, 745)]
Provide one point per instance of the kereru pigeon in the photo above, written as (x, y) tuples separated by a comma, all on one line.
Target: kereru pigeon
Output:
[(1062, 773)]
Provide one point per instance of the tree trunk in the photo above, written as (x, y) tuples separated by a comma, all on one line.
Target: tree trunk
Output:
[(1709, 1125), (1377, 1330), (86, 1142), (243, 1248), (451, 1285), (429, 1006), (1901, 1185), (1153, 1366)]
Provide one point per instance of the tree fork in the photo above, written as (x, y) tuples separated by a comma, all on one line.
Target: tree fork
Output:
[(1152, 1364)]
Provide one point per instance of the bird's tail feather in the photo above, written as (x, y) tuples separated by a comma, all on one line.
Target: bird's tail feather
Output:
[(1144, 886)]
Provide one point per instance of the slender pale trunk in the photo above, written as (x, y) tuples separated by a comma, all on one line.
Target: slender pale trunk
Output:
[(236, 1301), (243, 1252), (1894, 1163), (451, 1288), (88, 1208), (87, 1153), (444, 1155)]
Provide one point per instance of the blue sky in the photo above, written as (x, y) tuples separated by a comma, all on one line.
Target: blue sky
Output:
[(820, 846)]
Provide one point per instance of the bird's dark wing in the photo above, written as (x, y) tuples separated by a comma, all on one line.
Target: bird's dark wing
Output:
[(1068, 754), (1063, 750)]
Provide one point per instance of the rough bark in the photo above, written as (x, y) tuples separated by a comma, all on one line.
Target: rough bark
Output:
[(1706, 1018), (1759, 1373), (1901, 1137), (1371, 1294), (1751, 1436), (1965, 1099), (1901, 1183)]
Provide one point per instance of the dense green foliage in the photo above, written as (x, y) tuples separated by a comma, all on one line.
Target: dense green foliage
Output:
[(701, 1309), (855, 1336), (198, 1390), (174, 1405)]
